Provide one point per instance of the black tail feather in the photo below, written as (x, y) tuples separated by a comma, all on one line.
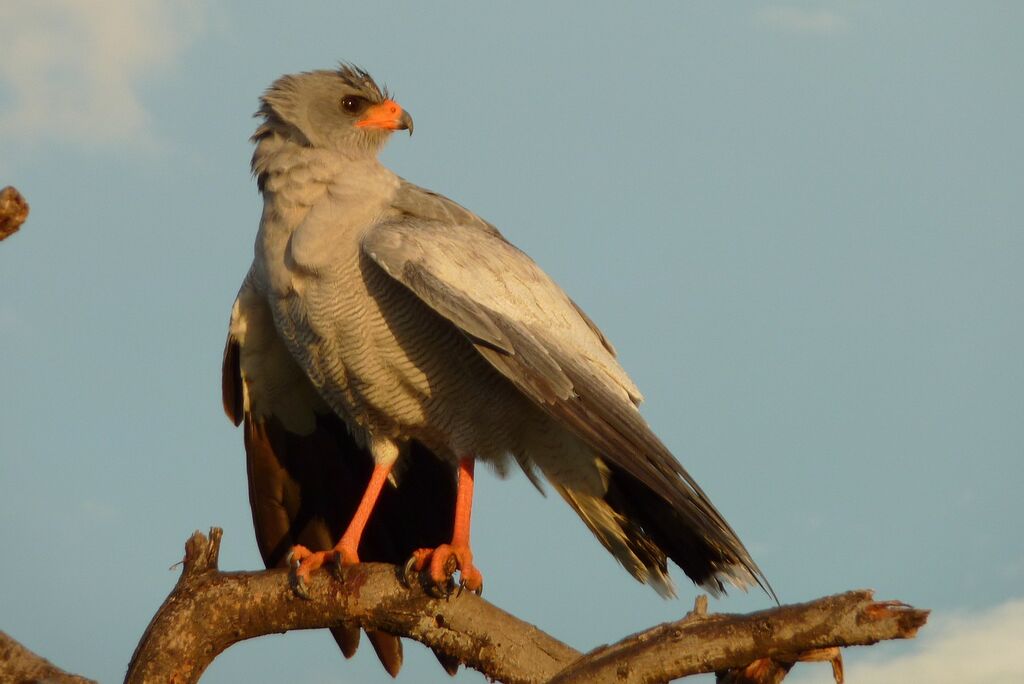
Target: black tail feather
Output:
[(654, 523)]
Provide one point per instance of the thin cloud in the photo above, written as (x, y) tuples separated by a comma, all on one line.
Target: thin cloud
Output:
[(71, 68), (966, 649), (797, 20)]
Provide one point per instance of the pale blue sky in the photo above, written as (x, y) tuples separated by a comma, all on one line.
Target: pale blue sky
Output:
[(800, 223)]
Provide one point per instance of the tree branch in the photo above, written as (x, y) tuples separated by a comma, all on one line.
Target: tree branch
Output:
[(13, 211), (705, 643), (209, 610), (18, 664)]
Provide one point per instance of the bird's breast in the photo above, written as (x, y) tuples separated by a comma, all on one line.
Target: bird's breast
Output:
[(390, 365), (379, 356)]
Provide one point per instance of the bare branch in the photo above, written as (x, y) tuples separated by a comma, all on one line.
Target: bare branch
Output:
[(18, 664), (209, 610), (13, 211), (722, 642)]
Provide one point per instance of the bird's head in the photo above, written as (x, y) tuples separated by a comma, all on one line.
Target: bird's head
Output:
[(343, 110)]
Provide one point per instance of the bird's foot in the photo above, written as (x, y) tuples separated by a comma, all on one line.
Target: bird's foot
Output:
[(303, 562), (442, 562)]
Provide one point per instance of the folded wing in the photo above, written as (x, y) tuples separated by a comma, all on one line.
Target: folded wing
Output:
[(534, 335)]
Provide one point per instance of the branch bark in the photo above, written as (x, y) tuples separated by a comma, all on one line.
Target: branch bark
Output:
[(18, 664), (13, 211), (705, 643), (209, 610)]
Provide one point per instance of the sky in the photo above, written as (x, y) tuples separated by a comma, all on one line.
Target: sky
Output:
[(800, 224)]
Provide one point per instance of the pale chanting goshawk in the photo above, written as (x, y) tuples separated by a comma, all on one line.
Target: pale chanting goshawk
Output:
[(385, 337)]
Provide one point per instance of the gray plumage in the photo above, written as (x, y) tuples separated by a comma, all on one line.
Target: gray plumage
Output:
[(413, 319)]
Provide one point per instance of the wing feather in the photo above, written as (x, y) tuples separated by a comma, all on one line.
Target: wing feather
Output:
[(539, 339), (546, 348)]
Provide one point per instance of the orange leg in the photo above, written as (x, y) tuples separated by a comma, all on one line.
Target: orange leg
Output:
[(346, 552), (445, 559)]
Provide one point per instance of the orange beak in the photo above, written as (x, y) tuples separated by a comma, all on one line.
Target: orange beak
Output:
[(387, 115)]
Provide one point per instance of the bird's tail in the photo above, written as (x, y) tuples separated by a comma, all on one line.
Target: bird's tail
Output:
[(642, 531)]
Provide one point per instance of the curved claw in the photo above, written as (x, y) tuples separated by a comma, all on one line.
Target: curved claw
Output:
[(464, 584), (441, 564), (417, 563), (296, 555), (337, 563), (441, 590), (295, 558), (418, 560), (303, 562), (299, 585), (407, 571)]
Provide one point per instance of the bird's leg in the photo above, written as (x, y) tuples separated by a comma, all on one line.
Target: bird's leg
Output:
[(346, 551), (445, 559)]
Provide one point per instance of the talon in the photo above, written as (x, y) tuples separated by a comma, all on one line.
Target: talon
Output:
[(298, 583), (300, 588), (419, 559), (441, 564), (296, 555), (337, 563), (299, 560), (408, 569), (473, 581), (443, 589), (304, 562), (475, 585), (477, 588)]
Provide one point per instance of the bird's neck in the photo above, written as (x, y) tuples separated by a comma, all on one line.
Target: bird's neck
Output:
[(316, 202)]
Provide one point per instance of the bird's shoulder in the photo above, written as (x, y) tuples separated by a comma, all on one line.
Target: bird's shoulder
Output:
[(414, 203), (432, 243), (464, 268)]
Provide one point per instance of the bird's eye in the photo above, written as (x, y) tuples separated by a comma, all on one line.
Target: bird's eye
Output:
[(353, 104)]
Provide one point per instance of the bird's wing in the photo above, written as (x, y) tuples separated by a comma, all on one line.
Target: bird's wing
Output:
[(531, 332), (306, 472), (420, 203)]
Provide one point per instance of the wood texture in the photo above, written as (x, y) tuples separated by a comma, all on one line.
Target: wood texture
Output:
[(13, 211), (18, 664), (209, 610)]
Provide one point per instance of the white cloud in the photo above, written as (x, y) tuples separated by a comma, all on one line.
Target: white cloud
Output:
[(797, 20), (964, 649), (71, 68)]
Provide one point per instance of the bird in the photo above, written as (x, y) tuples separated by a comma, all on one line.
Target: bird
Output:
[(385, 338)]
